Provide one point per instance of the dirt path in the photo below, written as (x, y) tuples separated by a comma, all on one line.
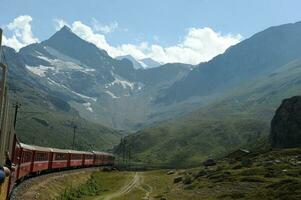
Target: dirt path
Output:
[(136, 182)]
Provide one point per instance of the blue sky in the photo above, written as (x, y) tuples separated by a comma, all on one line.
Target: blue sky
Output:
[(143, 23)]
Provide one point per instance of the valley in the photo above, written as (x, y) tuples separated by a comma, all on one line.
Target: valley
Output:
[(262, 174), (152, 100), (111, 98)]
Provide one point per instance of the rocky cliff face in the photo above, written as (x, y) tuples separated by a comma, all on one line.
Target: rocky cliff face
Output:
[(286, 124)]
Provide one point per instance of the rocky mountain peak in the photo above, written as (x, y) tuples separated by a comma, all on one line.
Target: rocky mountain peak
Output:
[(68, 43), (285, 126)]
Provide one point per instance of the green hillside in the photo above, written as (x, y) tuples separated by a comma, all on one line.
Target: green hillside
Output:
[(239, 119), (45, 118)]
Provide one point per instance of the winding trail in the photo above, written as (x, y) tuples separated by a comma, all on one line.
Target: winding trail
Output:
[(136, 182)]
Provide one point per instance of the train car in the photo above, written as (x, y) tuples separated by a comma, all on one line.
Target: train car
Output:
[(98, 158), (103, 158), (41, 159), (110, 159), (31, 159), (88, 159), (23, 160), (60, 158), (76, 158)]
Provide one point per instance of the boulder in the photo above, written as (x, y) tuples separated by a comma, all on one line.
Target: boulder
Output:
[(286, 124), (170, 172), (187, 180), (209, 162), (177, 179)]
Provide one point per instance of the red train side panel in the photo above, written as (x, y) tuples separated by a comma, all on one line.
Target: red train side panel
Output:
[(103, 158), (30, 159), (60, 159), (24, 159), (89, 159), (76, 158)]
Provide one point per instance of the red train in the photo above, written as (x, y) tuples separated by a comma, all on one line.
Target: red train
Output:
[(31, 159)]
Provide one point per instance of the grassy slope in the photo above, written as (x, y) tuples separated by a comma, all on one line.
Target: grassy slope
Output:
[(100, 184), (47, 122), (269, 175), (45, 118), (239, 119), (263, 174)]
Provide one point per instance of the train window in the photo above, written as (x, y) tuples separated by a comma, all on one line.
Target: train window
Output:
[(41, 156), (26, 156), (60, 156), (76, 156), (89, 157)]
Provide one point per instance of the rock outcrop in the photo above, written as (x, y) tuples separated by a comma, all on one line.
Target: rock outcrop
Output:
[(286, 124)]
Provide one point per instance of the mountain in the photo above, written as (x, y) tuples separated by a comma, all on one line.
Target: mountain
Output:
[(188, 112), (46, 118), (250, 59), (150, 63), (145, 63), (136, 63), (238, 117), (100, 88)]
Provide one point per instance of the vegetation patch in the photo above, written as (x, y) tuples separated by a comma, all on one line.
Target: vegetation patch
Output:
[(41, 121), (99, 184)]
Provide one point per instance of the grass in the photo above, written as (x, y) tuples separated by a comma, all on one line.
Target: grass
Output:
[(256, 181), (189, 141), (42, 121), (238, 119), (99, 184), (52, 188), (154, 183)]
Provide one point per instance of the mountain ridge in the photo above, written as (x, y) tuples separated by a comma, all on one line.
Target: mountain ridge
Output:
[(272, 43)]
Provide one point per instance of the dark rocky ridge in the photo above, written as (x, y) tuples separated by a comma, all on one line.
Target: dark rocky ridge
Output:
[(286, 124)]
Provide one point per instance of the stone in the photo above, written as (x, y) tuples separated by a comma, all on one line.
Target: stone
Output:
[(170, 172), (286, 124), (209, 162), (177, 179)]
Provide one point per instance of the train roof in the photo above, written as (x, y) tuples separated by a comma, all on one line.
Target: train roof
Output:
[(48, 149), (79, 152), (56, 150), (36, 148), (102, 153)]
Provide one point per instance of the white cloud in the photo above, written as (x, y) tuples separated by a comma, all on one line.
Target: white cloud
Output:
[(21, 33), (86, 33), (60, 23), (198, 45), (105, 29)]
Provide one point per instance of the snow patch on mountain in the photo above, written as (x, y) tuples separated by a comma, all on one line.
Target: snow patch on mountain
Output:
[(142, 64), (125, 84), (39, 70), (52, 82), (81, 95), (112, 94), (61, 65), (88, 107)]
